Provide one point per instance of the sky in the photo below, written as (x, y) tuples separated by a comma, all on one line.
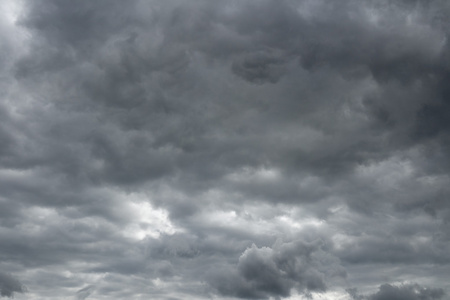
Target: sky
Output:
[(235, 149)]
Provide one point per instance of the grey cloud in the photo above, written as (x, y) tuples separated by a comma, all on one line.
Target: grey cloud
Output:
[(264, 272), (10, 285), (77, 27), (400, 292), (259, 67), (5, 136), (128, 77), (85, 292), (390, 250), (146, 145)]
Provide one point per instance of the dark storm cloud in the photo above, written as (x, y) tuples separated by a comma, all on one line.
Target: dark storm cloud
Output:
[(10, 285), (160, 149), (406, 291), (259, 67), (264, 272), (137, 77), (83, 293)]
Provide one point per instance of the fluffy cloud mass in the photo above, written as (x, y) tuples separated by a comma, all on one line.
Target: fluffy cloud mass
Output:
[(229, 149), (410, 291), (10, 285)]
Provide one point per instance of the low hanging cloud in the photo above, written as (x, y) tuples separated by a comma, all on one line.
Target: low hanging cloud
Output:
[(10, 285), (400, 292), (265, 272), (85, 292), (160, 149), (259, 67)]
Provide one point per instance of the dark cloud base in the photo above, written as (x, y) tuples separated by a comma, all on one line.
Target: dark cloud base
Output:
[(392, 292), (10, 285), (224, 149)]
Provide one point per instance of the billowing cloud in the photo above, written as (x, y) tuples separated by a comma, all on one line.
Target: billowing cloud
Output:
[(405, 291), (264, 272), (10, 285), (225, 149)]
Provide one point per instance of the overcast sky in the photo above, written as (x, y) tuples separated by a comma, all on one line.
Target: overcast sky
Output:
[(235, 149)]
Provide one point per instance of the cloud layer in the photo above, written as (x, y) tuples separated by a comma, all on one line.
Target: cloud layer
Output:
[(409, 291), (225, 149)]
